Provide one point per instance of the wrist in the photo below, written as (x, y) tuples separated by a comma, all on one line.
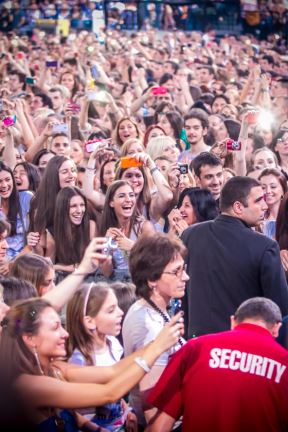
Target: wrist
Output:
[(153, 169)]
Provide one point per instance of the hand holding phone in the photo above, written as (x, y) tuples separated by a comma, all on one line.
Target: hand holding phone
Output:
[(9, 121), (51, 63), (60, 128), (159, 91), (233, 145), (30, 81), (130, 162)]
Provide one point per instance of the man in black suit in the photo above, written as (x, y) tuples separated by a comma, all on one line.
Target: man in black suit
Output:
[(228, 262)]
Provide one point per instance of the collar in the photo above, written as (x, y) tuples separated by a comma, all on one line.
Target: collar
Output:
[(252, 328), (231, 219)]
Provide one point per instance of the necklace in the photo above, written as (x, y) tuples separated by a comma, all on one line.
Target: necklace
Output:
[(163, 315)]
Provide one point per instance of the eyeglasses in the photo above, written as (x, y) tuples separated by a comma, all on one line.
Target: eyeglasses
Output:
[(282, 140), (178, 272)]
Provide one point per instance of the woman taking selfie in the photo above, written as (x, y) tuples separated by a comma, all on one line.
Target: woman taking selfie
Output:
[(32, 341)]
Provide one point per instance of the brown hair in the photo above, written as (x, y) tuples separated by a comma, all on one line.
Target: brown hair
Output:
[(117, 137), (90, 297), (147, 260), (32, 268)]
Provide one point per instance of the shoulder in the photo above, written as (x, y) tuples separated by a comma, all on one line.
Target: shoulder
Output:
[(25, 198), (77, 358)]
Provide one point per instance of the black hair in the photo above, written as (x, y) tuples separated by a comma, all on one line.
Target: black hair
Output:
[(202, 159), (236, 189), (202, 201)]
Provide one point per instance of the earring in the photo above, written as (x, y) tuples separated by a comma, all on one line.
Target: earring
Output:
[(38, 361)]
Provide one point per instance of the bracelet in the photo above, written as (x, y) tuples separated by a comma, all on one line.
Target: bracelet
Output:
[(152, 170), (142, 363), (90, 169)]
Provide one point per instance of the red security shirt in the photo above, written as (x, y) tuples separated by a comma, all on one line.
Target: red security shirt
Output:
[(227, 382)]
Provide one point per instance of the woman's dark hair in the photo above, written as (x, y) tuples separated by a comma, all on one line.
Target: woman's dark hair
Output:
[(5, 226), (39, 154), (282, 224), (176, 122), (70, 240), (33, 175), (233, 128), (101, 176), (279, 135), (164, 78), (76, 85), (147, 260), (13, 201), (43, 203), (168, 106), (109, 218), (202, 201), (23, 318)]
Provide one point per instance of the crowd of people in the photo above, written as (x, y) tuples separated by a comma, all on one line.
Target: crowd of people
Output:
[(141, 175)]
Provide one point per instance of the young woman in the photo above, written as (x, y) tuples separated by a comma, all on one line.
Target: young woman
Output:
[(152, 131), (60, 172), (274, 185), (195, 205), (27, 176), (33, 339), (263, 158), (132, 146), (163, 146), (121, 222), (71, 233), (15, 209), (126, 128), (152, 203), (280, 147), (93, 322), (107, 174), (158, 278)]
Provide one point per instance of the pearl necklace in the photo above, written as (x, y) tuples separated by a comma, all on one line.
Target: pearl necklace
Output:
[(163, 315)]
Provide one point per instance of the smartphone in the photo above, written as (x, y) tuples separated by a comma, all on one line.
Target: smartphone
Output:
[(74, 107), (92, 145), (159, 91), (30, 80), (20, 55), (233, 145), (1, 105), (94, 72), (60, 128), (252, 117), (183, 168), (130, 162), (91, 96), (9, 121), (51, 63)]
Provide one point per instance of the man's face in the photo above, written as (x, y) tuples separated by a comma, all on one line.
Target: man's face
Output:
[(204, 76), (194, 131), (61, 146), (254, 212), (57, 99), (211, 177)]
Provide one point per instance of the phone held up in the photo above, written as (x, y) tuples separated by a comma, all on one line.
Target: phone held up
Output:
[(130, 162)]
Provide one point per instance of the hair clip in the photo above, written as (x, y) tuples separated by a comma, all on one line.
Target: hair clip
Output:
[(32, 313)]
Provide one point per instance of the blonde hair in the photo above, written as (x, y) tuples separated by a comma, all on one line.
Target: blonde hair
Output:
[(156, 146), (126, 146)]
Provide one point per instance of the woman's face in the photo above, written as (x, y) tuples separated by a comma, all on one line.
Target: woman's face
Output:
[(67, 174), (6, 184), (272, 189), (134, 148), (218, 104), (21, 178), (109, 318), (264, 159), (67, 80), (173, 279), (135, 178), (266, 134), (184, 182), (48, 282), (221, 132), (109, 173), (77, 210), (123, 202), (214, 122), (51, 336), (282, 145), (187, 211), (43, 161), (77, 153), (127, 130), (170, 151), (155, 133), (164, 123)]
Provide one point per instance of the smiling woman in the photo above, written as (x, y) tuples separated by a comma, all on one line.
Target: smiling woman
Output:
[(15, 209)]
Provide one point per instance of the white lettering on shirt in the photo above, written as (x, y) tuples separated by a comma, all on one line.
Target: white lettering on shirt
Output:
[(246, 363)]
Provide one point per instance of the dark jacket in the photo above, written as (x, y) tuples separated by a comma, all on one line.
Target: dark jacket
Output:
[(228, 263)]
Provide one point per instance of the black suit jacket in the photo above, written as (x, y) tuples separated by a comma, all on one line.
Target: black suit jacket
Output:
[(228, 263)]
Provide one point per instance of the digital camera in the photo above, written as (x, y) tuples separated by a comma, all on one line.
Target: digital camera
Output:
[(110, 246)]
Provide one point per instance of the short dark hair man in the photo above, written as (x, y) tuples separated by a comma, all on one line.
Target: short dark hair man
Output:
[(231, 381), (208, 172), (228, 262)]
